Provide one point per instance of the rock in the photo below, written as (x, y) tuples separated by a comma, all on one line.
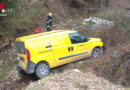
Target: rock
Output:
[(0, 70), (97, 23), (76, 70)]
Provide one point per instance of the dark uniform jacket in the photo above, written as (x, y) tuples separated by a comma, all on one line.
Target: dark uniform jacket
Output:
[(49, 23)]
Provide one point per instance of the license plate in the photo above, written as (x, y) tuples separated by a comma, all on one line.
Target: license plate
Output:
[(21, 63)]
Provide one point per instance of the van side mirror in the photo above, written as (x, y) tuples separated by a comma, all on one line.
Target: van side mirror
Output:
[(85, 39)]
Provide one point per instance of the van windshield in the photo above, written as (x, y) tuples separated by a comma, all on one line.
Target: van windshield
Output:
[(20, 47)]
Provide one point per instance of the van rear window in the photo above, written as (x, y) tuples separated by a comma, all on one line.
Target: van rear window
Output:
[(20, 48)]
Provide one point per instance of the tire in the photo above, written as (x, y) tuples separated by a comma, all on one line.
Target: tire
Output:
[(97, 52), (42, 70)]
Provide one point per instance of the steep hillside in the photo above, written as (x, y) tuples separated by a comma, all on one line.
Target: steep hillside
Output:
[(31, 14), (69, 14)]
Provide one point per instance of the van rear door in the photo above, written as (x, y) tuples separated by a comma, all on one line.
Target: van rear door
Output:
[(20, 49)]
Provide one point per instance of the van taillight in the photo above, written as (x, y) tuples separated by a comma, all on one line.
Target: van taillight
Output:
[(28, 54)]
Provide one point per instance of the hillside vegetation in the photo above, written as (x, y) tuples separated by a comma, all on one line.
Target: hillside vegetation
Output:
[(113, 66)]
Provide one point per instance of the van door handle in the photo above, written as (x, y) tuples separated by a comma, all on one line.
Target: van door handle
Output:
[(82, 45), (72, 48), (48, 46), (69, 49)]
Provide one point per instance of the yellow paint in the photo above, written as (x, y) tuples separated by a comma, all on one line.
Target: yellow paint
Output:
[(59, 41)]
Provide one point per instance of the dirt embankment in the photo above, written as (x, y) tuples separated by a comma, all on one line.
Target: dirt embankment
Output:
[(73, 80)]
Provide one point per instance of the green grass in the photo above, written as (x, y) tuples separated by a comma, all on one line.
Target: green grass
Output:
[(3, 74), (5, 69), (128, 38), (81, 85), (33, 14), (84, 67), (127, 88)]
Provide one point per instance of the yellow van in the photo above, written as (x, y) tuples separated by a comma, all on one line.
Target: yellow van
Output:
[(39, 53)]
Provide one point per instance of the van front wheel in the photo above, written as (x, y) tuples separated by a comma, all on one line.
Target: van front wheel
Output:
[(97, 52), (42, 70)]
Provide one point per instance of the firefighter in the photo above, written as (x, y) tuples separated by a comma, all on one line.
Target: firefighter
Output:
[(49, 22)]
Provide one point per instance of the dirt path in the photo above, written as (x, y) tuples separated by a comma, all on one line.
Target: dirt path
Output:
[(16, 80), (20, 80)]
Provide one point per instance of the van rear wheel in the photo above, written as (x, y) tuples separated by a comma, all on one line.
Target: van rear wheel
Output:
[(42, 70)]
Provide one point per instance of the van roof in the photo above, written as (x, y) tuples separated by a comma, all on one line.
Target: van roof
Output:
[(44, 33)]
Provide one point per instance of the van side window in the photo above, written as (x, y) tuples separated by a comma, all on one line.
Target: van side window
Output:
[(77, 38)]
